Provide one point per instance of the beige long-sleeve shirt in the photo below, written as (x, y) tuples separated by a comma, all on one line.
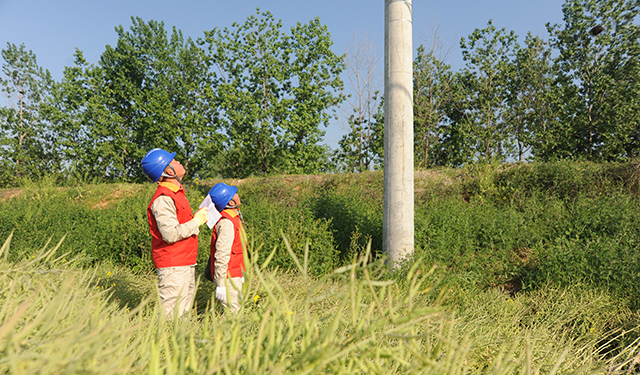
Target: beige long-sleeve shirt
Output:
[(164, 210), (224, 241)]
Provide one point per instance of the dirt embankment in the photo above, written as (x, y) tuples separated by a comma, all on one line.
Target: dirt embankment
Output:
[(9, 193)]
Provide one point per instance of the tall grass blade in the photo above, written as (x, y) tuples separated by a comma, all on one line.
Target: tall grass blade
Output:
[(4, 250), (293, 256), (306, 257), (55, 248), (265, 264)]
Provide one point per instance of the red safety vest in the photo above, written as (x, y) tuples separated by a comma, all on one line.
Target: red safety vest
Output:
[(236, 260), (181, 253)]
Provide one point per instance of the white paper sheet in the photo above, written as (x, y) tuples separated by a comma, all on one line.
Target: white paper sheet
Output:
[(212, 214)]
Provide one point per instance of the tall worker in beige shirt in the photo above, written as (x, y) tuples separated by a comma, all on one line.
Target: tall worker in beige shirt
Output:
[(174, 232)]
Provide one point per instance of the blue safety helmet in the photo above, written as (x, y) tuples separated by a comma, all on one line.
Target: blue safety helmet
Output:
[(221, 194), (155, 162)]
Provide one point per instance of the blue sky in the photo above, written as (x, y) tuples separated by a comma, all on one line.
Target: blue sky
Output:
[(53, 29)]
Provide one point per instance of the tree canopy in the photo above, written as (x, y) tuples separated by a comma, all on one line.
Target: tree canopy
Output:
[(573, 96), (255, 98)]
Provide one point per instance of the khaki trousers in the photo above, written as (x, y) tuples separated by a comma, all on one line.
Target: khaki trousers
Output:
[(234, 290), (176, 286)]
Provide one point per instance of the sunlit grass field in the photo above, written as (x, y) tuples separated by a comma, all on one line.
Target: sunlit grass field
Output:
[(518, 269), (59, 318)]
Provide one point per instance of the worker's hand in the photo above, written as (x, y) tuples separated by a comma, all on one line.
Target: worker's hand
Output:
[(221, 294), (201, 216)]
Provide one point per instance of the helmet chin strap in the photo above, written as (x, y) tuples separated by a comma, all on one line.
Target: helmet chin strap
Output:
[(175, 175), (235, 206)]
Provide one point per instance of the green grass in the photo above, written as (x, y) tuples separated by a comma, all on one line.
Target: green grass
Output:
[(484, 226), (525, 268), (57, 317)]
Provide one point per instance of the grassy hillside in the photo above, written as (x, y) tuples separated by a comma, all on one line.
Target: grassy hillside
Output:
[(58, 317), (512, 226), (528, 268)]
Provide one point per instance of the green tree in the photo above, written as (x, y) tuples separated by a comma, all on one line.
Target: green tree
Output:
[(356, 149), (362, 148), (75, 108), (26, 139), (433, 86), (274, 91), (456, 131), (598, 71), (488, 54), (150, 90), (531, 117)]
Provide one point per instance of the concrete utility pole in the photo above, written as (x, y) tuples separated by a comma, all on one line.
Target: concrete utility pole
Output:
[(398, 215)]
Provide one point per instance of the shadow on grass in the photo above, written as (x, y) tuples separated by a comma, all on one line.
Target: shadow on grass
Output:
[(351, 223), (127, 290), (204, 297)]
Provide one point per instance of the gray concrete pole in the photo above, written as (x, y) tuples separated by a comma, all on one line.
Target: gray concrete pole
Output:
[(398, 214)]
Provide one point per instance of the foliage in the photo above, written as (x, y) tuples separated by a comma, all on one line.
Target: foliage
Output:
[(488, 53), (148, 91), (433, 87), (597, 71), (530, 100), (519, 225), (252, 100), (574, 96), (155, 88), (302, 228), (26, 142), (102, 221), (352, 206), (356, 150), (526, 225), (59, 318), (109, 222), (274, 91)]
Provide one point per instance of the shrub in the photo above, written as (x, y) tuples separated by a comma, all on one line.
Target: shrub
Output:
[(514, 226)]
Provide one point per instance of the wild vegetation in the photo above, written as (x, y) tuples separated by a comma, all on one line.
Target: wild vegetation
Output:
[(518, 268), (58, 317), (517, 225)]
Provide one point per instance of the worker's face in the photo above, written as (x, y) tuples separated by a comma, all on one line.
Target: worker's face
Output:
[(236, 198), (179, 169)]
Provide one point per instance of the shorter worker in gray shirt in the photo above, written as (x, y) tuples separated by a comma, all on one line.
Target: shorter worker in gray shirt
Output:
[(228, 244)]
